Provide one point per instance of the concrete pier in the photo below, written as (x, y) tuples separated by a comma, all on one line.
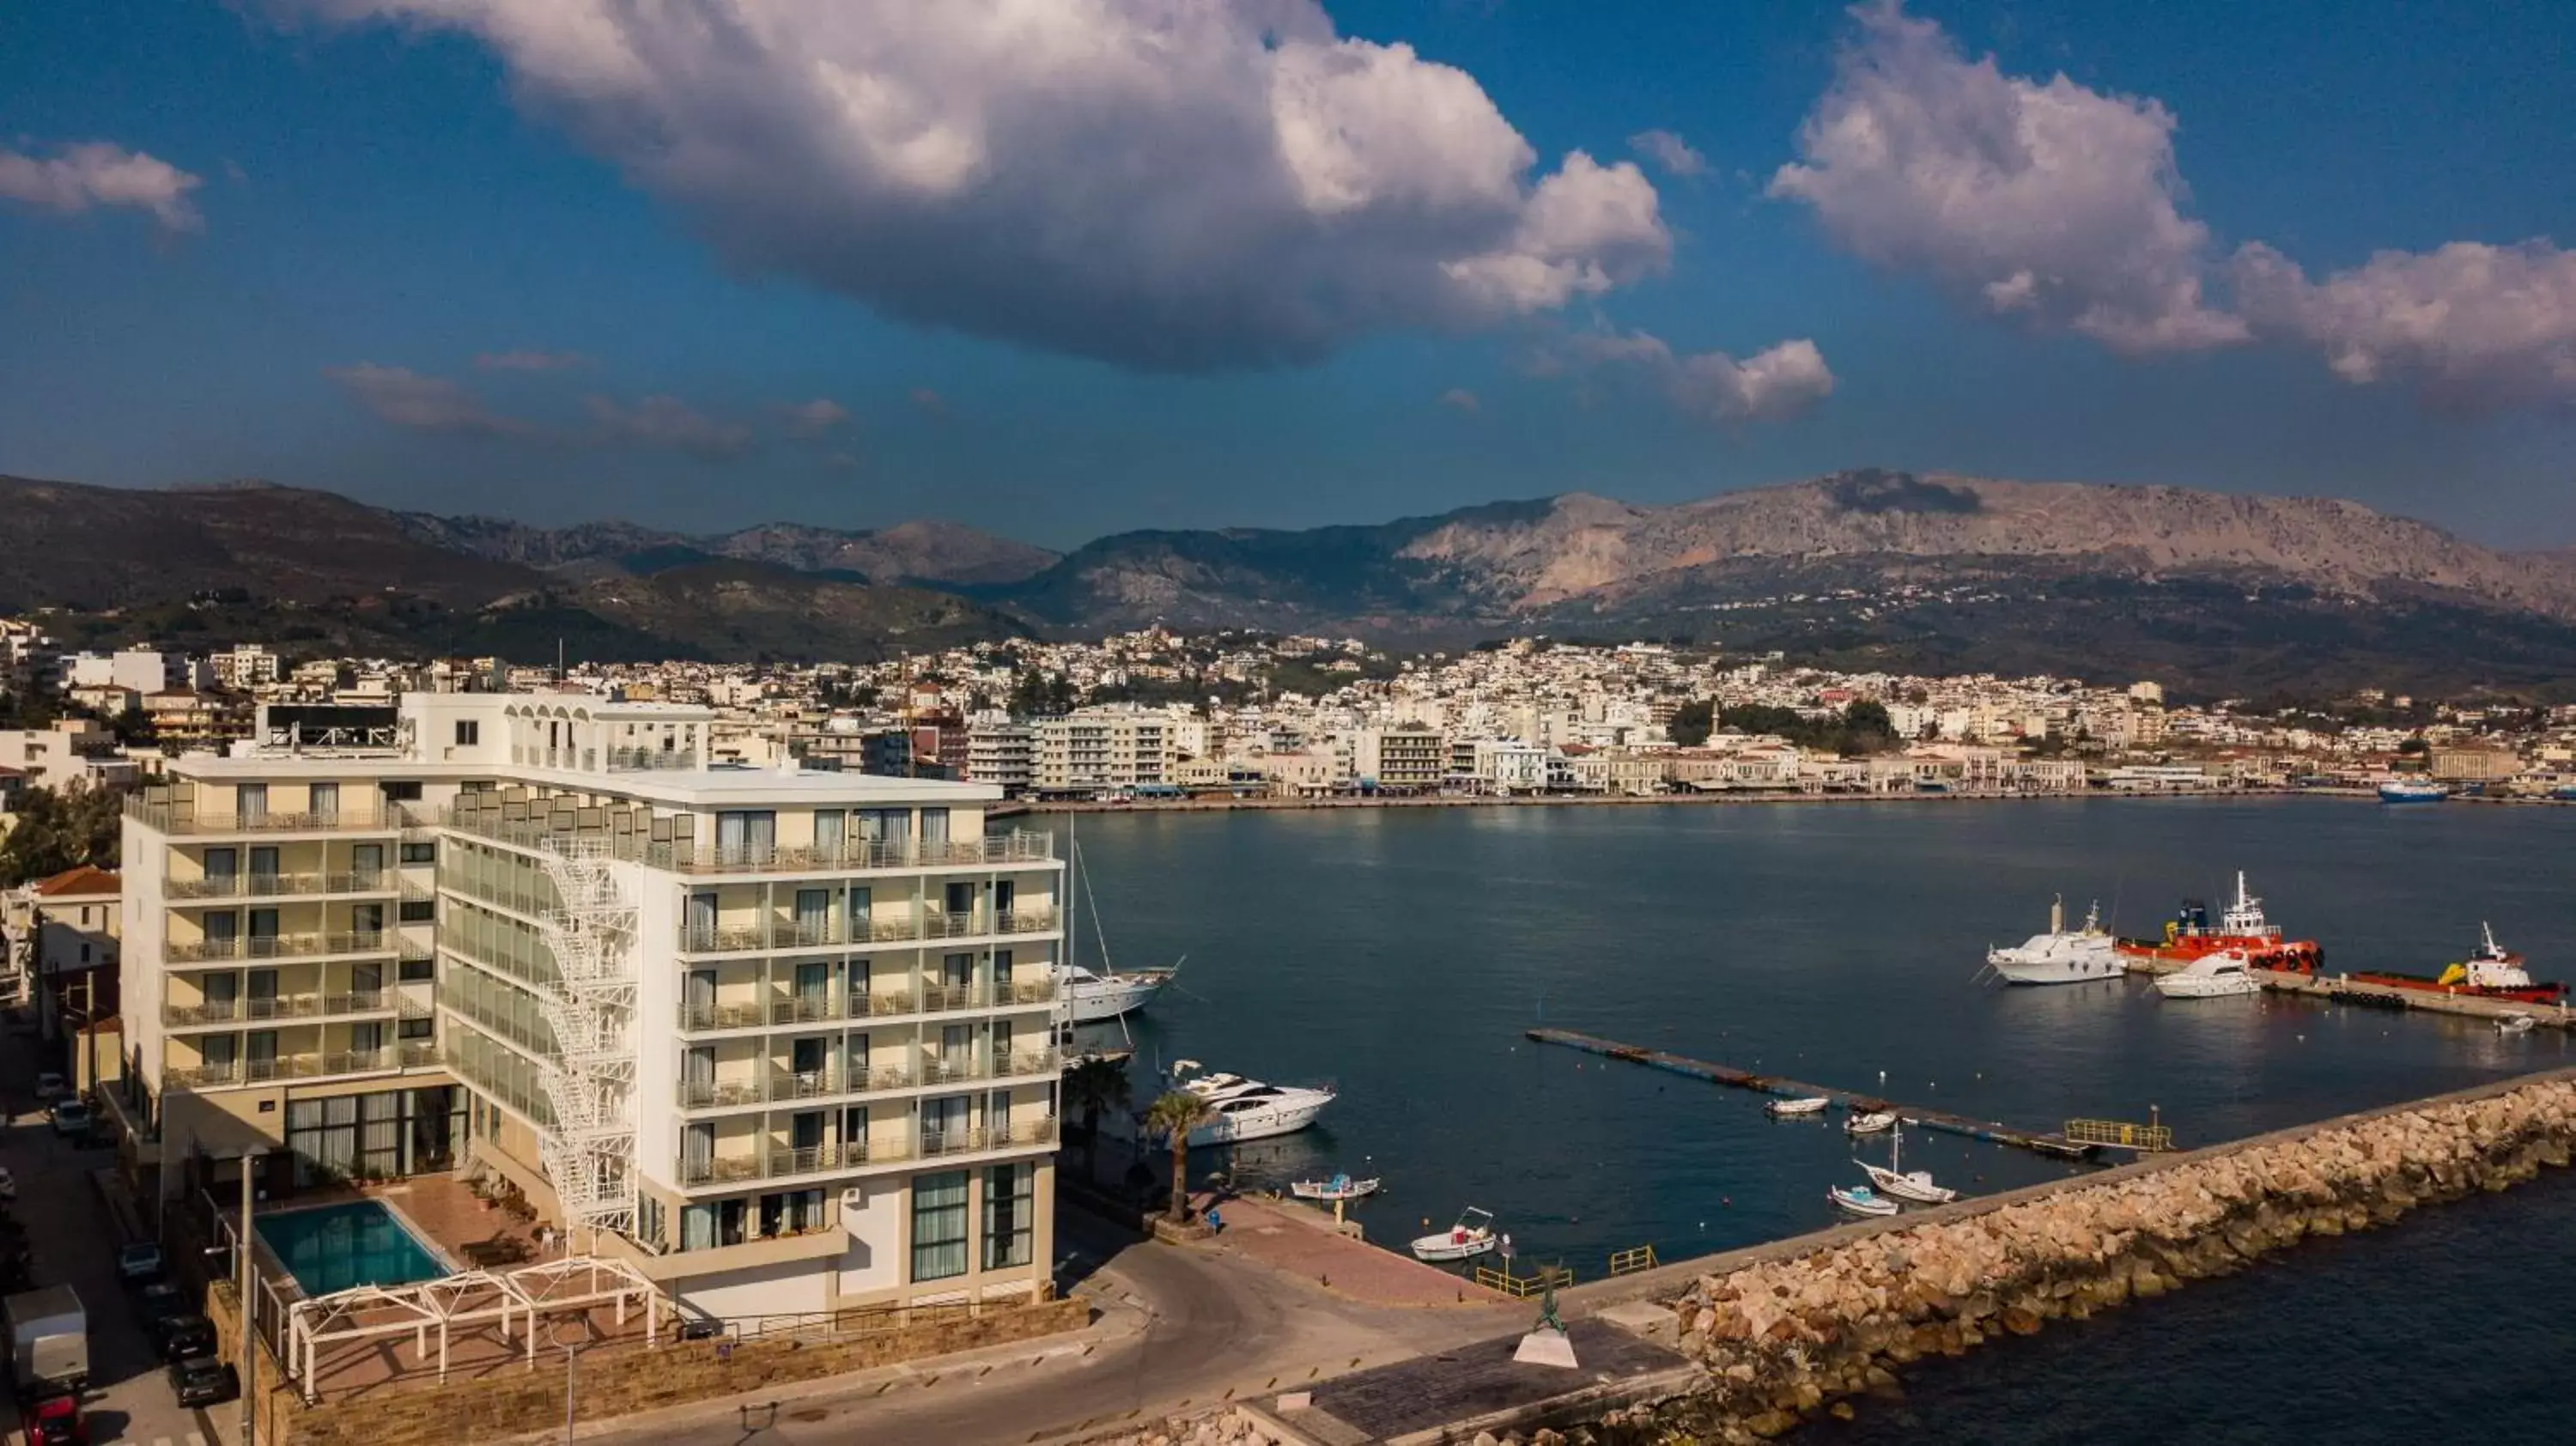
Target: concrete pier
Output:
[(2041, 1141), (2344, 989)]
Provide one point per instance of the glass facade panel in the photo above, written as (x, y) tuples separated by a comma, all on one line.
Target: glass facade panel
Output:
[(939, 1226)]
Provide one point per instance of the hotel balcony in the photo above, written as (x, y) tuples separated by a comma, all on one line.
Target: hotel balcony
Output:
[(787, 1086), (788, 934), (235, 888), (1023, 846), (186, 821), (383, 1060), (786, 1010), (291, 1006), (783, 1163), (278, 946)]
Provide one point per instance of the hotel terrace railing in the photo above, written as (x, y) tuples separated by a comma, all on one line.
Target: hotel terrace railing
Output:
[(783, 1086), (173, 820), (782, 1163), (277, 946), (936, 999), (287, 1006), (1019, 846), (302, 1066), (900, 929), (263, 886)]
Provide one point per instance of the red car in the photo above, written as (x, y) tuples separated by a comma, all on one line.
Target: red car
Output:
[(56, 1421)]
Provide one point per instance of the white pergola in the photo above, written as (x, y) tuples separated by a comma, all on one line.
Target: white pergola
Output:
[(469, 1298)]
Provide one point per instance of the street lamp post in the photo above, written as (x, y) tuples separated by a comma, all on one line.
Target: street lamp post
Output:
[(572, 1345), (249, 1306)]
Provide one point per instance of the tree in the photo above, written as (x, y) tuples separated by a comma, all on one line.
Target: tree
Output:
[(1091, 1087), (1173, 1116), (60, 830), (1691, 723)]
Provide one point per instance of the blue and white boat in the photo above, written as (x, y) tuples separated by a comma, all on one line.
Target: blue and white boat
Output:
[(2412, 790)]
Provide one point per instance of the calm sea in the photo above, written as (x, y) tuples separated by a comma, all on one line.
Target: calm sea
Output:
[(1399, 954)]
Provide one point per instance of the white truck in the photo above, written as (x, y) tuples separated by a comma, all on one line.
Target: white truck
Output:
[(48, 1341)]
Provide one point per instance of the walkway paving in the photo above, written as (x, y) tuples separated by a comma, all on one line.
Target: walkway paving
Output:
[(1301, 1243)]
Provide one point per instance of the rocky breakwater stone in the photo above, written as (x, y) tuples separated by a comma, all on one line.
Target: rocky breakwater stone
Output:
[(1781, 1338)]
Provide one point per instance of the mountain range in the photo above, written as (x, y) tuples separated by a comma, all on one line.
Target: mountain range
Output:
[(1867, 569)]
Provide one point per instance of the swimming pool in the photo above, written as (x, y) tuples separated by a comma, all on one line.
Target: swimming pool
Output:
[(333, 1247)]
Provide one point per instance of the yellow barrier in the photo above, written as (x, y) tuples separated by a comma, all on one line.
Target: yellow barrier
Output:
[(1628, 1262), (1524, 1286), (2119, 1134)]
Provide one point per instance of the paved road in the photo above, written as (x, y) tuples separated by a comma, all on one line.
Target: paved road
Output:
[(1178, 1325), (72, 1240)]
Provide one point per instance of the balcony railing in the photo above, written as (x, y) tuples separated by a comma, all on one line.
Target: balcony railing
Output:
[(935, 1143), (300, 1066), (787, 1011), (285, 1006), (267, 886), (787, 1086), (1020, 846), (277, 946), (173, 820), (897, 929)]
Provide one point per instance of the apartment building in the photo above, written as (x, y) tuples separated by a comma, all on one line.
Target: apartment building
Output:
[(1102, 748), (1001, 752), (1399, 760), (783, 1039)]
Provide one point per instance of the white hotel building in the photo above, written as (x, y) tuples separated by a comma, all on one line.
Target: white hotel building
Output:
[(784, 1040)]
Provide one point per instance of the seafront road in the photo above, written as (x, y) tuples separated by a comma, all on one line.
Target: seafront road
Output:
[(1179, 1327)]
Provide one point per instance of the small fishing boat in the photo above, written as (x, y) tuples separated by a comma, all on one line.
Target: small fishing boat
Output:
[(1340, 1187), (1861, 1200), (1869, 1122), (1792, 1109), (2211, 976), (1472, 1236), (1904, 1184), (2516, 1024)]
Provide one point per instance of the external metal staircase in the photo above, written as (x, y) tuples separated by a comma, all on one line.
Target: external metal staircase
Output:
[(590, 1153)]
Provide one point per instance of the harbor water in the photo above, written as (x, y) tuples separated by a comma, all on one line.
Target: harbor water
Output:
[(1400, 954)]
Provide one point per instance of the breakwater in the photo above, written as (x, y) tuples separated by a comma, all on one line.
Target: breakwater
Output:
[(1810, 1323)]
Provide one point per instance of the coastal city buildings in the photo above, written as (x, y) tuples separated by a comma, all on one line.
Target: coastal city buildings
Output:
[(783, 1039)]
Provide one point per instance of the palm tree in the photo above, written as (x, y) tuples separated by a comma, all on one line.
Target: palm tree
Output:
[(1174, 1116), (1091, 1087)]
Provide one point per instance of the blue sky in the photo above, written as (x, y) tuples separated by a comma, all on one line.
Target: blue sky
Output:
[(1107, 312)]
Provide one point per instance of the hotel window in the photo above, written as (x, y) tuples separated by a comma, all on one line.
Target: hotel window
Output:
[(250, 801), (829, 827), (939, 1226), (648, 1219), (697, 1227), (1010, 1215), (325, 800), (419, 911), (469, 732), (934, 828), (420, 853), (415, 1029)]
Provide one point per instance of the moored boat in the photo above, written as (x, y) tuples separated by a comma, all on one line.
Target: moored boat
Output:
[(2492, 972), (1340, 1187), (2516, 1024), (2211, 976), (1869, 1122), (2242, 927), (1247, 1109), (1092, 998), (1861, 1200), (1894, 1179), (2412, 790), (2060, 956), (1793, 1109), (1472, 1236)]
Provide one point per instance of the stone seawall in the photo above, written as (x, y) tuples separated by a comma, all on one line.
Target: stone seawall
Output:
[(1783, 1338)]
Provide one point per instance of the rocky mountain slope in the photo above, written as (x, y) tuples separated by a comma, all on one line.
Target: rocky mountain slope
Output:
[(926, 552)]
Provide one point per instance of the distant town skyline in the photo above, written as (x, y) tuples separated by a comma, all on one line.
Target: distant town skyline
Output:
[(1159, 263)]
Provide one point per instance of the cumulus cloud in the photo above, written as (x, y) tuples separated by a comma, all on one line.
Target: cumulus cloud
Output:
[(930, 401), (407, 398), (531, 361), (666, 421), (814, 418), (1669, 151), (92, 174), (1769, 386), (2045, 201), (1165, 184), (2470, 323), (1462, 399)]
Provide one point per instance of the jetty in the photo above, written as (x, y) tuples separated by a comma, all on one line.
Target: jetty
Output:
[(2344, 989), (2038, 1141)]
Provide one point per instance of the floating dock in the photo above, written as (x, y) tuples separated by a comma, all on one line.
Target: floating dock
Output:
[(1992, 1133), (2344, 989)]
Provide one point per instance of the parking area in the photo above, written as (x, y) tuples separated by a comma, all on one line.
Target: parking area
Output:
[(72, 1239)]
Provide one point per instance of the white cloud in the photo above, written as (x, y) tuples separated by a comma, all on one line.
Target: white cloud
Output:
[(2050, 202), (89, 174), (665, 421), (1167, 184), (814, 418), (2469, 322), (929, 401), (1462, 399), (407, 398), (1771, 385), (531, 361), (1669, 151)]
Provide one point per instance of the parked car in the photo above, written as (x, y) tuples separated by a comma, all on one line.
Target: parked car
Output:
[(51, 1085), (203, 1381), (183, 1337), (158, 1303), (139, 1262), (56, 1421), (71, 1118)]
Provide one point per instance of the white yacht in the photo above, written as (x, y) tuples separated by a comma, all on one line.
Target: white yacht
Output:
[(1247, 1109), (1092, 997), (2211, 976), (2060, 957)]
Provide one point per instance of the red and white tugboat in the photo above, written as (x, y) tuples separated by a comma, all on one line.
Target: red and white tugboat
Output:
[(2190, 937), (2493, 972)]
